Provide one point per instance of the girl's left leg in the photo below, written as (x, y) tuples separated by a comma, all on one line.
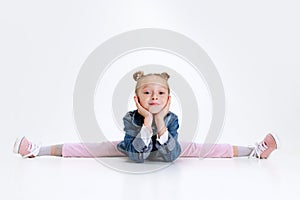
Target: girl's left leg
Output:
[(28, 149), (87, 150)]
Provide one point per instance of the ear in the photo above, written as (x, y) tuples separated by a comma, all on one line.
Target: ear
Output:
[(138, 98)]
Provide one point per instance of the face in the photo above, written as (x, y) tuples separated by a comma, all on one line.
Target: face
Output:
[(153, 97)]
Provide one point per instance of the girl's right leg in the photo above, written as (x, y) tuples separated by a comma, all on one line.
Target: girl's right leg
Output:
[(261, 150), (191, 149)]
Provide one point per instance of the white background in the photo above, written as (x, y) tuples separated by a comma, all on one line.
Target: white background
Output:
[(253, 44)]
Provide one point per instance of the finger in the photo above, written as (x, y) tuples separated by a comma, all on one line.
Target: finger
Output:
[(165, 110), (169, 102), (140, 108)]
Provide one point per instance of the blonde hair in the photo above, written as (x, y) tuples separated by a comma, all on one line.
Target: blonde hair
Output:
[(139, 76)]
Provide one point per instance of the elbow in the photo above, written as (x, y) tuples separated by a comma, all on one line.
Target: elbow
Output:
[(170, 158), (137, 157), (137, 160), (173, 155)]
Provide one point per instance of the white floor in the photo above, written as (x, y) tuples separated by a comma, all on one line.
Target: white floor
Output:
[(82, 178)]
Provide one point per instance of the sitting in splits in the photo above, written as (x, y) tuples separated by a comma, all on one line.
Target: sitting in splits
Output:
[(150, 132)]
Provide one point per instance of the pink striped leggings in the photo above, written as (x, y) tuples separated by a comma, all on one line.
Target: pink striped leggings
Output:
[(109, 149)]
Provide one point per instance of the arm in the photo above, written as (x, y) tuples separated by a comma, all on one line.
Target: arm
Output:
[(134, 143), (169, 150)]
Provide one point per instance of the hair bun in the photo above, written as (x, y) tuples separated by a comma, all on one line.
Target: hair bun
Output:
[(138, 75), (165, 75)]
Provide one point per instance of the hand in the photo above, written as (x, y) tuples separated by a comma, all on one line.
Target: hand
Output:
[(159, 118), (148, 117), (161, 115)]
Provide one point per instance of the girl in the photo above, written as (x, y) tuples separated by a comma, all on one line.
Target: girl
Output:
[(150, 132)]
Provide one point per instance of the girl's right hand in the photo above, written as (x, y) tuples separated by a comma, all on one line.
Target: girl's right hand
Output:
[(148, 117)]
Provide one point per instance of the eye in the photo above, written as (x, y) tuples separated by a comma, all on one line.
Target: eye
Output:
[(146, 92), (161, 93)]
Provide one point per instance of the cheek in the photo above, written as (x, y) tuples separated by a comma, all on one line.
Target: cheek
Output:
[(143, 100), (165, 99)]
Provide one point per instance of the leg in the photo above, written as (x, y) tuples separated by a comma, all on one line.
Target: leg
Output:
[(240, 151), (53, 150), (108, 149), (261, 150), (190, 149), (28, 149), (88, 150)]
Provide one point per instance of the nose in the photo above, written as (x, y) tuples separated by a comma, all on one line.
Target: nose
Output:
[(154, 96)]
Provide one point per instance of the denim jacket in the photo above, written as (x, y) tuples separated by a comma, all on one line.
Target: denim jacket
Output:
[(134, 147)]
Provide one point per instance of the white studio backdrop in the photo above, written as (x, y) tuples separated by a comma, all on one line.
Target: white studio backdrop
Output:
[(253, 44)]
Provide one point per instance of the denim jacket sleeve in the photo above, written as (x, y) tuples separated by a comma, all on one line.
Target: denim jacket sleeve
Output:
[(170, 150), (133, 144)]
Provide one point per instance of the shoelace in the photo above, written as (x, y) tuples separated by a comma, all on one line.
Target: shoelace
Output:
[(33, 150), (258, 149)]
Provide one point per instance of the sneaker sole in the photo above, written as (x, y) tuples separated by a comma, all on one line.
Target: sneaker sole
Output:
[(17, 144)]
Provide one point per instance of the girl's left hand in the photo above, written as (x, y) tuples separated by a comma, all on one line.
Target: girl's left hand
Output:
[(161, 115), (159, 118)]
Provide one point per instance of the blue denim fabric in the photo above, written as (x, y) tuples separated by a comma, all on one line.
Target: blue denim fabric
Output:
[(134, 147)]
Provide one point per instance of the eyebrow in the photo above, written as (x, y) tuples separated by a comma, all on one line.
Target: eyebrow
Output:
[(144, 87)]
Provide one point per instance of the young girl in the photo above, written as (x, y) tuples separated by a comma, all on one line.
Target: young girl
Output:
[(150, 132)]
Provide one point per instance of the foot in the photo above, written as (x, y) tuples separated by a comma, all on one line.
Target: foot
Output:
[(263, 149), (26, 148)]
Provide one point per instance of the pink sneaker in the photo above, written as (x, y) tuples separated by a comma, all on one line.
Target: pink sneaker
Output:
[(263, 149), (25, 148)]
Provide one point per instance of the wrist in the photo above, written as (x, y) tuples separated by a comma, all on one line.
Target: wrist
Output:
[(161, 131), (148, 121), (160, 123)]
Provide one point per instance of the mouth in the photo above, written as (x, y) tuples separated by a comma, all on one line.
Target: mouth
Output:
[(153, 104)]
